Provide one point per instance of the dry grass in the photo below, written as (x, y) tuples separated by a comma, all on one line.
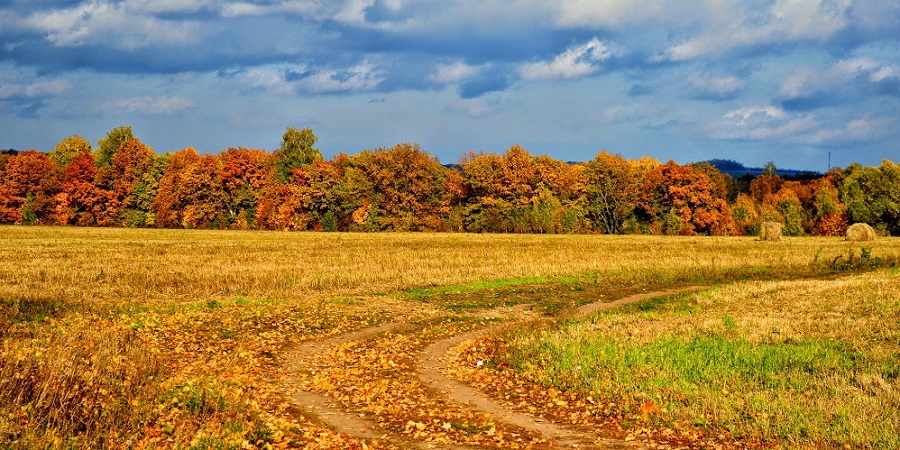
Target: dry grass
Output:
[(189, 324), (84, 378), (58, 268)]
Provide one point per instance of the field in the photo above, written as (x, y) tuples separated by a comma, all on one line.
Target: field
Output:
[(125, 338)]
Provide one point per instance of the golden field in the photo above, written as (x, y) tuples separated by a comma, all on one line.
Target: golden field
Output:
[(138, 338)]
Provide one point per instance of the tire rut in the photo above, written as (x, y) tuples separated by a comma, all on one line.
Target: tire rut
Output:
[(325, 410), (433, 363), (430, 369)]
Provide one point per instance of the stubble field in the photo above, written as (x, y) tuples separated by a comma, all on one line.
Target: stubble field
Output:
[(124, 338)]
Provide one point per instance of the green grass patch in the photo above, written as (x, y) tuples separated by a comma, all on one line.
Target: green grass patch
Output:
[(420, 293), (703, 359), (689, 365), (553, 293)]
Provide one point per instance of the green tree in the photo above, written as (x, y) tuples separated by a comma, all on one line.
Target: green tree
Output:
[(769, 169), (612, 186), (872, 195), (296, 151), (792, 214), (67, 149), (108, 146)]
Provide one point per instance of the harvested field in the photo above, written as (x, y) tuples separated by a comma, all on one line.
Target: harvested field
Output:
[(165, 339)]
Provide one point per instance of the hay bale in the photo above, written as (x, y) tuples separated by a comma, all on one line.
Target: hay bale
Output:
[(770, 231), (860, 232)]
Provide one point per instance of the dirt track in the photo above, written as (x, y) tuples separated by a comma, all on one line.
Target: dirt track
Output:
[(430, 370)]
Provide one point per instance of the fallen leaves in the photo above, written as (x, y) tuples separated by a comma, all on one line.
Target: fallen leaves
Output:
[(376, 377), (588, 411)]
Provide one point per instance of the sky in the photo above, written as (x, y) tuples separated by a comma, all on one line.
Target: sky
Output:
[(787, 81)]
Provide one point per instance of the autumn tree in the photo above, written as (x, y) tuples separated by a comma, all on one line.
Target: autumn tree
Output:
[(109, 145), (296, 151), (489, 200), (557, 201), (764, 187), (791, 210), (29, 182), (681, 200), (190, 193), (612, 187), (320, 186), (516, 192), (243, 174), (829, 214), (401, 188), (280, 207), (68, 149), (78, 196), (132, 177), (745, 213)]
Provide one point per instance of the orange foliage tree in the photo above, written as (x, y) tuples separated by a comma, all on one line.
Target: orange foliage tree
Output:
[(244, 174), (516, 192), (401, 188), (190, 192), (28, 185), (829, 213), (679, 199), (80, 201)]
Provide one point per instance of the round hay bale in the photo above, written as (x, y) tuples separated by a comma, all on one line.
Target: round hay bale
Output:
[(860, 232), (770, 231)]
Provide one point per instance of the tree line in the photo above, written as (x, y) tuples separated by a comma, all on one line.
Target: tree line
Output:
[(125, 183)]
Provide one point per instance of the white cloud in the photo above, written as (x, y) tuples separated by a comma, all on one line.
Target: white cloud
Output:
[(11, 90), (716, 86), (759, 123), (351, 12), (613, 13), (786, 21), (620, 114), (770, 123), (747, 112), (264, 79), (354, 11), (478, 107), (573, 63), (857, 130), (168, 6), (454, 73), (360, 78), (240, 9), (151, 105), (807, 80), (102, 22)]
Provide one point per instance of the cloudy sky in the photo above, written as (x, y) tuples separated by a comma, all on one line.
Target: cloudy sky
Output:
[(788, 81)]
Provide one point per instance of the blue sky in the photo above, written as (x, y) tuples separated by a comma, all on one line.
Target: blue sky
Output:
[(788, 81)]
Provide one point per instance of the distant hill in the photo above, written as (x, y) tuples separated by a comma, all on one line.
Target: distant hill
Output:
[(737, 170)]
